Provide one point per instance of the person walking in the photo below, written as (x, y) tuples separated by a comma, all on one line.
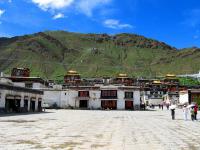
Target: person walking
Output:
[(167, 105), (173, 114), (195, 112), (192, 113), (185, 112)]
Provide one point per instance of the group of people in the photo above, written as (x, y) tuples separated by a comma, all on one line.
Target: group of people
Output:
[(193, 112), (193, 109)]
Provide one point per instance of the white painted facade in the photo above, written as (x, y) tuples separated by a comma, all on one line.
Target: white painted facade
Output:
[(52, 97), (21, 84), (20, 95), (35, 85), (183, 97), (69, 98), (10, 93)]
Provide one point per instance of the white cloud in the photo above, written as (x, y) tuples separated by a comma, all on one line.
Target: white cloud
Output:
[(58, 16), (52, 4), (83, 6), (87, 6), (115, 24), (2, 12)]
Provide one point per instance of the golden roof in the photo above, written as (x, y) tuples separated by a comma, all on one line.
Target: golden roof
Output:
[(157, 82), (171, 75), (122, 75), (72, 72)]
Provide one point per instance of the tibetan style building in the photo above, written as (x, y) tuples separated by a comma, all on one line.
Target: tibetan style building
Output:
[(95, 97), (123, 79), (19, 99), (72, 77), (20, 72), (20, 92)]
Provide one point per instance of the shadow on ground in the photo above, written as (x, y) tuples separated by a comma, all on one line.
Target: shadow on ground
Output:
[(22, 114)]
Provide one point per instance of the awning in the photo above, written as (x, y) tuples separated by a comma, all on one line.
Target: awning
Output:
[(128, 99), (33, 98), (10, 97), (18, 97), (82, 98), (25, 97)]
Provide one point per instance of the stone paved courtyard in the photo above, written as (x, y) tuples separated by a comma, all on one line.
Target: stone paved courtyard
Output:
[(106, 130)]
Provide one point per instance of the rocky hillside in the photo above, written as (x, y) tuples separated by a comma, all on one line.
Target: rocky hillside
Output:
[(50, 54)]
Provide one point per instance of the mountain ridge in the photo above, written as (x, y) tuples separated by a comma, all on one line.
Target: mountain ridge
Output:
[(50, 54)]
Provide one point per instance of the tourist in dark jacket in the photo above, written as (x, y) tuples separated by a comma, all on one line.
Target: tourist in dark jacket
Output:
[(173, 113), (195, 112)]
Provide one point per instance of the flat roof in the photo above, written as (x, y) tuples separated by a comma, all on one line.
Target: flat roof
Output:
[(107, 87), (19, 89), (30, 79)]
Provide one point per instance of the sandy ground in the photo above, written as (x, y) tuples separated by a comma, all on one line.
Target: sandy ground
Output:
[(106, 130)]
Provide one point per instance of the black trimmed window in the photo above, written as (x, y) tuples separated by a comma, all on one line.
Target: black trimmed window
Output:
[(128, 94), (109, 94), (29, 85)]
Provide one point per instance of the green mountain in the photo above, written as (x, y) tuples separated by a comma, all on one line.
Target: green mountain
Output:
[(50, 54)]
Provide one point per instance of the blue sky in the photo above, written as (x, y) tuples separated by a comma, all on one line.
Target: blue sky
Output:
[(176, 22)]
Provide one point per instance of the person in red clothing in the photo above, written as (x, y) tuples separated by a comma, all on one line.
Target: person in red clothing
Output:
[(195, 111)]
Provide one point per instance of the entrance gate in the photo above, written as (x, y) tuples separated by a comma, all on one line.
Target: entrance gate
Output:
[(129, 105), (83, 104), (32, 106), (109, 104), (12, 105)]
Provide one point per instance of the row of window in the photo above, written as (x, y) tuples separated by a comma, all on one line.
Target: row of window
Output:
[(83, 93), (106, 94), (109, 94)]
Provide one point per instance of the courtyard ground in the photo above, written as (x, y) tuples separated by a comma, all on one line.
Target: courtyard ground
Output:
[(106, 130)]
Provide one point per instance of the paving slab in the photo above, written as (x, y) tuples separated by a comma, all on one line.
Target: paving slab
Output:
[(101, 130)]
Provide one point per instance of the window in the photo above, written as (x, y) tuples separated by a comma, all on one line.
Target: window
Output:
[(28, 85), (128, 94), (107, 94), (83, 93), (26, 103)]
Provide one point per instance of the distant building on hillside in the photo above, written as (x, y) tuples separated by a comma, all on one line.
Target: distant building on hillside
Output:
[(171, 85), (72, 77), (124, 79), (152, 93), (20, 72)]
